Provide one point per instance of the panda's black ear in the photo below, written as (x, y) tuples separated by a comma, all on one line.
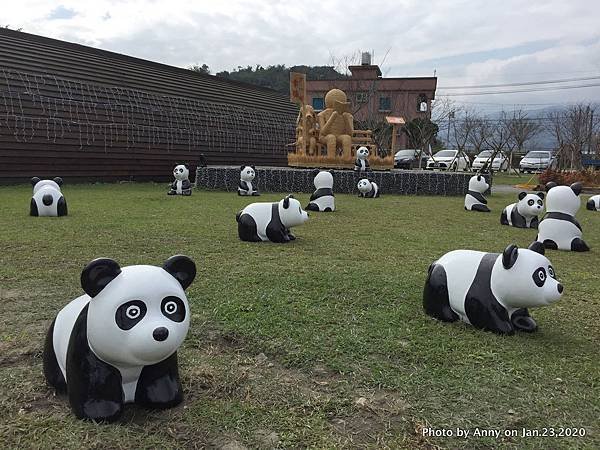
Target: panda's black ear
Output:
[(253, 168), (478, 177), (182, 268), (541, 195), (522, 195), (58, 180), (509, 256), (577, 187), (331, 172), (97, 274), (315, 172), (537, 247), (286, 202), (35, 180), (550, 185), (186, 166), (242, 168)]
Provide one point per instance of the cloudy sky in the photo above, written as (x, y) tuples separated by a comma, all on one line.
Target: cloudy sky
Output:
[(465, 42)]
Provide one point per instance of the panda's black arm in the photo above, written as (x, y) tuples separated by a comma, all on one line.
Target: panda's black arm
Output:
[(243, 186), (94, 387), (185, 184), (159, 386)]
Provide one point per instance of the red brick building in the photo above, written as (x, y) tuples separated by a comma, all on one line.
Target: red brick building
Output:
[(374, 97)]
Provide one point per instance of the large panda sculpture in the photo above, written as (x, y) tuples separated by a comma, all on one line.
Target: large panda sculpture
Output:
[(322, 199), (491, 291), (181, 185), (47, 199), (474, 200), (367, 188), (558, 229), (270, 221), (593, 203), (118, 342), (361, 164), (524, 213), (247, 175)]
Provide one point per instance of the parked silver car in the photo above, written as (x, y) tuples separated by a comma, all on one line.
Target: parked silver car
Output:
[(448, 159), (499, 163), (536, 161)]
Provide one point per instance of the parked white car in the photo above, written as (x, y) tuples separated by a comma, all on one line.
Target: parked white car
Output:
[(448, 159), (498, 164), (536, 161)]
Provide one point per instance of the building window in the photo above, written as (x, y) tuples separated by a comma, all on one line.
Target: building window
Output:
[(422, 103), (385, 104), (318, 103), (361, 97)]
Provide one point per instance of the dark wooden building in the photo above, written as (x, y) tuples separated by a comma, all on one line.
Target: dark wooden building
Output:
[(82, 113)]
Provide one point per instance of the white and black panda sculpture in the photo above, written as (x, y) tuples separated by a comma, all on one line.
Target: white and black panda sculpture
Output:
[(367, 188), (270, 221), (322, 199), (474, 200), (593, 203), (118, 343), (524, 213), (559, 229), (247, 175), (181, 185), (47, 199), (362, 162), (491, 291)]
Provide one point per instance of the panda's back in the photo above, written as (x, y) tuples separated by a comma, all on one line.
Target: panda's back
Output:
[(63, 326), (51, 209), (261, 214), (460, 267)]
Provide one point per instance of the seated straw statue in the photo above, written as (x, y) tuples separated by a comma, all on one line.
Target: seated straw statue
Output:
[(336, 124)]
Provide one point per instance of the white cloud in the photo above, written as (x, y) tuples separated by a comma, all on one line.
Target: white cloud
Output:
[(417, 34)]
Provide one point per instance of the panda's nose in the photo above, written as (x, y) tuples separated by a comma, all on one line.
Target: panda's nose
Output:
[(160, 334), (560, 288)]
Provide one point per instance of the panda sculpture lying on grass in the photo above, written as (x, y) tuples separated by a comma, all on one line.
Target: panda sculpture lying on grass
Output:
[(593, 203), (118, 343), (524, 213), (367, 188), (270, 221), (47, 199), (322, 199), (491, 291), (474, 200), (559, 229)]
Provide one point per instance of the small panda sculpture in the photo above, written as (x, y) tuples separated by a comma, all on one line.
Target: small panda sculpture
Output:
[(558, 229), (362, 163), (491, 291), (118, 342), (474, 200), (247, 175), (593, 203), (270, 221), (322, 199), (367, 188), (524, 213), (181, 185), (47, 199)]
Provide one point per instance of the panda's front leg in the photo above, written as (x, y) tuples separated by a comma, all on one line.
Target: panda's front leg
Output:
[(159, 386), (522, 321), (579, 245)]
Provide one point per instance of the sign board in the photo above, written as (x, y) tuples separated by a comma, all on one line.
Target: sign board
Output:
[(395, 120), (298, 88)]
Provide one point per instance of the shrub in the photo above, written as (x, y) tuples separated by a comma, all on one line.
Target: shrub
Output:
[(588, 177)]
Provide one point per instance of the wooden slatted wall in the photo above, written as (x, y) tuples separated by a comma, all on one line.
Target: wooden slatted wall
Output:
[(81, 113)]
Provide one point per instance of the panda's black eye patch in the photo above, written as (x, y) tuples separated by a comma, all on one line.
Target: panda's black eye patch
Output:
[(540, 202), (173, 308), (539, 277), (551, 272), (129, 314), (531, 203)]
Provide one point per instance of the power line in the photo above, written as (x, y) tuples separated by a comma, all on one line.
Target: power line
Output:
[(516, 91), (522, 83)]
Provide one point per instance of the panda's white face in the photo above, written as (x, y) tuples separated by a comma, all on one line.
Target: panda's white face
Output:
[(562, 199), (364, 186), (247, 174), (140, 318), (477, 183), (531, 205), (362, 153), (530, 282), (181, 172), (293, 215), (323, 179), (45, 185)]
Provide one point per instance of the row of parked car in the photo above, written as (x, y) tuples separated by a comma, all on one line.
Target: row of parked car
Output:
[(534, 161)]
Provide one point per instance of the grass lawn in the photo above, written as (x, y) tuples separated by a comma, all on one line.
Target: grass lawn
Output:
[(318, 343), (512, 178)]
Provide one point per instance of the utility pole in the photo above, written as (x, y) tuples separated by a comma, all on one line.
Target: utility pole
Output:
[(590, 135)]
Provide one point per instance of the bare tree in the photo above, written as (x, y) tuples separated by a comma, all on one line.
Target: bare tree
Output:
[(521, 129), (464, 128), (573, 128), (497, 137), (477, 138)]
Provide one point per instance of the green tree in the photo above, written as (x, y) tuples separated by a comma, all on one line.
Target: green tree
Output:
[(200, 68)]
